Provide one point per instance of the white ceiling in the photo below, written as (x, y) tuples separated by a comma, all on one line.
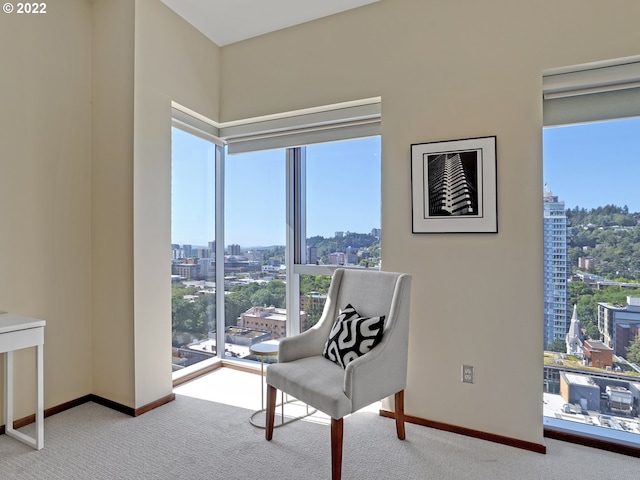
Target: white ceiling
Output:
[(229, 21)]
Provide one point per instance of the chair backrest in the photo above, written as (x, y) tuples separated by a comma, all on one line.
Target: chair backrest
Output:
[(372, 293), (369, 291)]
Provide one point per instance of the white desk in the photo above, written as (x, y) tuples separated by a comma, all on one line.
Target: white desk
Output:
[(17, 332)]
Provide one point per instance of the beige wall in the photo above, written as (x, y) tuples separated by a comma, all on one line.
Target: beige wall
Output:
[(172, 62), (45, 193), (112, 198), (144, 57), (449, 70), (84, 173)]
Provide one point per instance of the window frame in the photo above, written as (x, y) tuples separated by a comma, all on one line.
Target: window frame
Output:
[(594, 92), (198, 128), (292, 131)]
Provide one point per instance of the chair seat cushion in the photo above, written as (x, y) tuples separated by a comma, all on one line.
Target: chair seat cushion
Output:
[(352, 336), (312, 380)]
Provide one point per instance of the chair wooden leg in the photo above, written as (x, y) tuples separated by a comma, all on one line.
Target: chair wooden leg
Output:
[(399, 414), (270, 412), (336, 448)]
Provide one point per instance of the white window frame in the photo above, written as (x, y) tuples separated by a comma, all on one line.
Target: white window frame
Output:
[(293, 131), (192, 123), (585, 93)]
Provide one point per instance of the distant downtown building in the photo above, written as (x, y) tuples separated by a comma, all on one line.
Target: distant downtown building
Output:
[(451, 189), (556, 269), (619, 324)]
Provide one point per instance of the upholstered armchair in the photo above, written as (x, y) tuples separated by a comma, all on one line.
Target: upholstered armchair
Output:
[(338, 383)]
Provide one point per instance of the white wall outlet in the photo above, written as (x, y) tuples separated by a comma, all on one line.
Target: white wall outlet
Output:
[(467, 374)]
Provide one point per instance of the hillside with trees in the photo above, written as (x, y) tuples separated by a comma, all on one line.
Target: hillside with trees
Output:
[(611, 236), (359, 242)]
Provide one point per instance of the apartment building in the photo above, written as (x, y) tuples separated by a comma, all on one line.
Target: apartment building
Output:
[(556, 269), (619, 324)]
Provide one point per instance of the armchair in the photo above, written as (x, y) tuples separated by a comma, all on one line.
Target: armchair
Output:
[(304, 373)]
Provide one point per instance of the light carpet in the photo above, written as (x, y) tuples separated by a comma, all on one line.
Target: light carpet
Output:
[(192, 438)]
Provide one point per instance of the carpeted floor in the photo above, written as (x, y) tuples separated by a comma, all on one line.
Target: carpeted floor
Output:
[(194, 438)]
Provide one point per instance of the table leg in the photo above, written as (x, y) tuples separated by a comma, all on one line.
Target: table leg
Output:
[(261, 382), (39, 397), (38, 441), (8, 391)]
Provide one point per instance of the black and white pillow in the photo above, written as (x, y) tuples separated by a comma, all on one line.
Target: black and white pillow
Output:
[(352, 336)]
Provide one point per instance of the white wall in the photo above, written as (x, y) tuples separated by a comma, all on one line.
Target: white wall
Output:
[(144, 57), (172, 62), (449, 70), (112, 197), (45, 193), (85, 123)]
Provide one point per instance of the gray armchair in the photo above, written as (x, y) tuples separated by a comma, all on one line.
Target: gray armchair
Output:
[(304, 373)]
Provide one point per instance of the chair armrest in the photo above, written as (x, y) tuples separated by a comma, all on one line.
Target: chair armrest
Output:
[(307, 344), (374, 376)]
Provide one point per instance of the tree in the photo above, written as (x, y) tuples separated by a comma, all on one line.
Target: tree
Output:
[(314, 283), (592, 331), (633, 351), (557, 345), (577, 290)]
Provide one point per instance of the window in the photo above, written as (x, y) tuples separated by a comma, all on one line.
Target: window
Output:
[(340, 226), (255, 232), (288, 200), (193, 252), (592, 251)]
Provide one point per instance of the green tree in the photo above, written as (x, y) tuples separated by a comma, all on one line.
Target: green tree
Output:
[(314, 283), (578, 289), (633, 351), (557, 345), (592, 331)]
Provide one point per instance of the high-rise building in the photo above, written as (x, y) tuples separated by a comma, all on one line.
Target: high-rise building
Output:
[(312, 255), (556, 269), (234, 249), (452, 188)]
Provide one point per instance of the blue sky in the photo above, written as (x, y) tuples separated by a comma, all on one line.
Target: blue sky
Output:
[(339, 192), (594, 164)]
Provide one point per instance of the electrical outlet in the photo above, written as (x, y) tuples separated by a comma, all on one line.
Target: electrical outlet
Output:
[(467, 374)]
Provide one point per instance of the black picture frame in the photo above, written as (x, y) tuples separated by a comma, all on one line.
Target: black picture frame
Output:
[(454, 186)]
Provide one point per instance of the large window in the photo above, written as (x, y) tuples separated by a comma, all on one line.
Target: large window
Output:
[(340, 222), (592, 257), (258, 227), (285, 250), (193, 259), (343, 203), (255, 236)]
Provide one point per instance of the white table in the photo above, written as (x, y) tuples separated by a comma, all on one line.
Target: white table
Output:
[(17, 332), (269, 348)]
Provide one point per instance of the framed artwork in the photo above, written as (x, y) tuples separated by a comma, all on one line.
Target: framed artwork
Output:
[(453, 186)]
